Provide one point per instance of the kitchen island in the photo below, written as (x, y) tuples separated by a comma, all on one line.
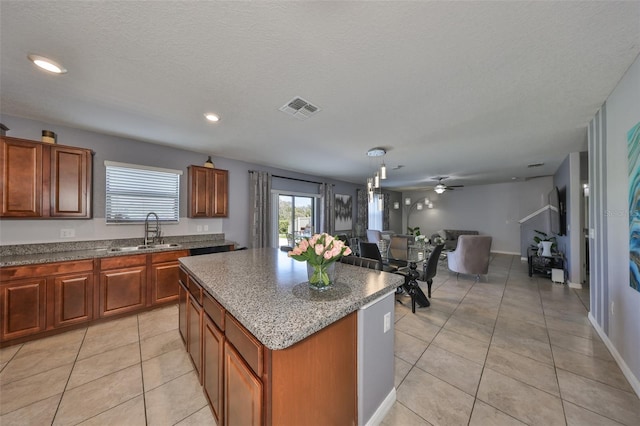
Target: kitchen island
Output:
[(268, 350)]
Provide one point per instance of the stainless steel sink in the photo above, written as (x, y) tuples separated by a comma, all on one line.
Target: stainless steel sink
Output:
[(144, 247)]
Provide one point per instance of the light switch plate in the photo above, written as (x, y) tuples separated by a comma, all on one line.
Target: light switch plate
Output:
[(387, 321)]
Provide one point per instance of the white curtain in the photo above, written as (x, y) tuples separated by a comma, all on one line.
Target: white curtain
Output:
[(260, 210), (328, 213)]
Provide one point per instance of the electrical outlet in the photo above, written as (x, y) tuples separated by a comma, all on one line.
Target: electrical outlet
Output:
[(206, 228), (67, 233), (199, 228), (611, 309), (387, 322)]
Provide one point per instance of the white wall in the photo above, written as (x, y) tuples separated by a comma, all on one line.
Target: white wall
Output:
[(490, 209), (615, 305)]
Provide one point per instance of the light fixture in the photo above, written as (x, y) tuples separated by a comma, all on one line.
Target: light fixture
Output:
[(396, 205), (407, 201), (426, 200), (430, 205), (47, 64), (209, 164), (440, 188), (585, 189), (383, 171), (212, 117), (376, 180), (419, 206), (376, 152), (380, 203)]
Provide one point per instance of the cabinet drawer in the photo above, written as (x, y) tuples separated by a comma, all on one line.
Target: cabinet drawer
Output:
[(195, 290), (168, 256), (248, 346), (214, 310), (123, 261), (183, 277), (45, 269)]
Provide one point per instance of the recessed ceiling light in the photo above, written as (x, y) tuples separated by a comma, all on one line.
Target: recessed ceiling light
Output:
[(212, 117), (47, 64)]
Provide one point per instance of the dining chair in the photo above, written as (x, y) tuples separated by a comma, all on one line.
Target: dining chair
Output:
[(371, 251), (430, 267), (363, 262)]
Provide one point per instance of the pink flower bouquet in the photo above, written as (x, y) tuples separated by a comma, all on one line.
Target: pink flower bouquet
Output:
[(320, 252)]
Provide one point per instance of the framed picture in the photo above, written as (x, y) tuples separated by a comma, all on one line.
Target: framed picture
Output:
[(633, 146), (344, 212)]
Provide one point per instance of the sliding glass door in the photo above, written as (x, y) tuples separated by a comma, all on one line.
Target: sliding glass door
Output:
[(296, 217)]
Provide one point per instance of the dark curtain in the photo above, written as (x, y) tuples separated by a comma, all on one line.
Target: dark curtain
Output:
[(260, 208), (362, 214)]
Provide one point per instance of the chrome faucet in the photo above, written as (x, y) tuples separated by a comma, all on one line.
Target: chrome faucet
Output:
[(151, 228)]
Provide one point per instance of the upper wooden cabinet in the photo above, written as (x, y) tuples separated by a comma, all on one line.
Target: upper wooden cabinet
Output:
[(208, 192), (44, 181)]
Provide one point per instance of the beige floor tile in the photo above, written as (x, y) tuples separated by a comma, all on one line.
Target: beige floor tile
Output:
[(532, 348), (399, 415), (174, 401), (571, 327), (434, 316), (37, 362), (469, 329), (204, 416), (158, 321), (527, 370), (401, 370), (519, 400), (418, 327), (108, 327), (484, 320), (38, 413), (160, 344), (34, 388), (518, 313), (471, 349), (129, 413), (603, 399), (3, 365), (47, 345), (164, 368), (578, 416), (9, 352), (408, 348), (453, 369), (97, 366), (603, 371), (590, 347), (434, 400), (93, 398), (485, 415), (110, 339), (522, 328)]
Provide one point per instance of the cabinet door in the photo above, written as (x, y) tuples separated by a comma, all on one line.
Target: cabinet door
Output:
[(21, 171), (164, 282), (70, 182), (242, 391), (200, 188), (194, 333), (72, 299), (122, 290), (212, 365), (221, 190), (183, 297), (23, 307)]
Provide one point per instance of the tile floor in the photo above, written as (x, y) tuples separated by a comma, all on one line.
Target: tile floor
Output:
[(507, 350)]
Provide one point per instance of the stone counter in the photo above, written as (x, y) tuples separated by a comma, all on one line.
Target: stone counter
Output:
[(268, 292), (33, 254)]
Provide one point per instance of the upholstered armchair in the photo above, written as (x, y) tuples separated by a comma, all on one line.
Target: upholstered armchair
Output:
[(471, 255), (373, 235)]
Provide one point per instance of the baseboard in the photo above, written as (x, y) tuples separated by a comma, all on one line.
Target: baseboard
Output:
[(513, 253), (574, 285), (633, 380), (524, 259), (383, 409)]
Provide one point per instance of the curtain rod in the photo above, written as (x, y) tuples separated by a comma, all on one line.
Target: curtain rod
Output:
[(299, 180)]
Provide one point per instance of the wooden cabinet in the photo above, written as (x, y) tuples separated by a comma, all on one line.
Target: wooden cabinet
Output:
[(44, 181), (72, 299), (164, 276), (70, 185), (23, 307), (21, 171), (212, 365), (242, 391), (122, 285), (183, 297), (208, 192), (194, 333)]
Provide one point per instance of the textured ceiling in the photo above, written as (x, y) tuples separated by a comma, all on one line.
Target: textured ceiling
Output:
[(471, 90)]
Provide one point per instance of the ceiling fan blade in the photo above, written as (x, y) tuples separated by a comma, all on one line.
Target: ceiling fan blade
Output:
[(455, 186)]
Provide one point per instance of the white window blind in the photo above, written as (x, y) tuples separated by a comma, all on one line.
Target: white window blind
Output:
[(133, 191)]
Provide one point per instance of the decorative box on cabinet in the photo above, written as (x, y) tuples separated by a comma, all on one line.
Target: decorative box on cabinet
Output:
[(208, 192), (44, 181)]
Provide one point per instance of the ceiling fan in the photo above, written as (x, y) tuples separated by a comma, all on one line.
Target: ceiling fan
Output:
[(441, 187)]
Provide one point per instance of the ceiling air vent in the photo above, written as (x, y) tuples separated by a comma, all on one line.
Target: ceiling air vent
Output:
[(535, 165), (300, 108)]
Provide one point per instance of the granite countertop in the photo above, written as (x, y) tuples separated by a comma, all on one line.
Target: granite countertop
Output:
[(34, 254), (268, 292)]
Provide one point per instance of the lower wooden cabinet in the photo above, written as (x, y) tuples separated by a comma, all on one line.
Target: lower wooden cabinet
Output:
[(242, 390), (123, 284), (183, 297), (212, 366), (194, 333), (72, 299), (23, 308)]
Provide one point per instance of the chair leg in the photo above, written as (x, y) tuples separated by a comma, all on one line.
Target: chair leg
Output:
[(429, 282)]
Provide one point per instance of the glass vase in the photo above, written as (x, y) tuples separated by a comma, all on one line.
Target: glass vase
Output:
[(321, 277)]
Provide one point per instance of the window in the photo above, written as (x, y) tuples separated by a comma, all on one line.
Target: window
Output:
[(375, 212), (296, 217), (133, 191)]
